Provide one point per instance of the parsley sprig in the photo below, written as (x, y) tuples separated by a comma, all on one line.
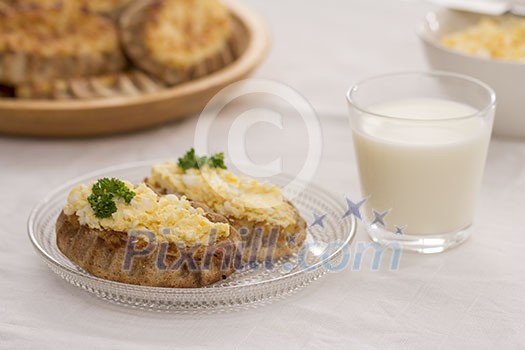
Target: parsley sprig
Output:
[(103, 193), (191, 160)]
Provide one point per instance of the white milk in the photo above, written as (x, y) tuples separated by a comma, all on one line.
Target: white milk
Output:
[(426, 170)]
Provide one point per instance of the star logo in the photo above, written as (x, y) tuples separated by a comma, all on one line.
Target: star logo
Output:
[(399, 230), (291, 240), (379, 218), (354, 208), (318, 220)]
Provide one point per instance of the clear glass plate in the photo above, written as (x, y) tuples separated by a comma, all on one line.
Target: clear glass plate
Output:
[(323, 249)]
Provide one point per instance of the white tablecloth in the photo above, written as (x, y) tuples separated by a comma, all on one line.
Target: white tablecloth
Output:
[(469, 297)]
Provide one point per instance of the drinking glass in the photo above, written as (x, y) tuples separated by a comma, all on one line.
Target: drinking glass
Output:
[(420, 140)]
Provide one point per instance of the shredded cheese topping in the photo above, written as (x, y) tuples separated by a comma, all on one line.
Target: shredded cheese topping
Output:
[(181, 33), (50, 31)]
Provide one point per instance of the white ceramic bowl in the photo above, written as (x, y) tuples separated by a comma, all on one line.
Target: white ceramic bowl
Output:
[(506, 78)]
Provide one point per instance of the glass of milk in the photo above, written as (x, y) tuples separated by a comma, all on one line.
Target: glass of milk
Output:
[(421, 141)]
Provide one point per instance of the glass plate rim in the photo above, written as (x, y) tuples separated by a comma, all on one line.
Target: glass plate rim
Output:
[(166, 290)]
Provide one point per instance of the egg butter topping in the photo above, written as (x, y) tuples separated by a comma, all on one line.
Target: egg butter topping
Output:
[(168, 217), (224, 192)]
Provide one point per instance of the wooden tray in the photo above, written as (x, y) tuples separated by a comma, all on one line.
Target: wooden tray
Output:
[(122, 114)]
